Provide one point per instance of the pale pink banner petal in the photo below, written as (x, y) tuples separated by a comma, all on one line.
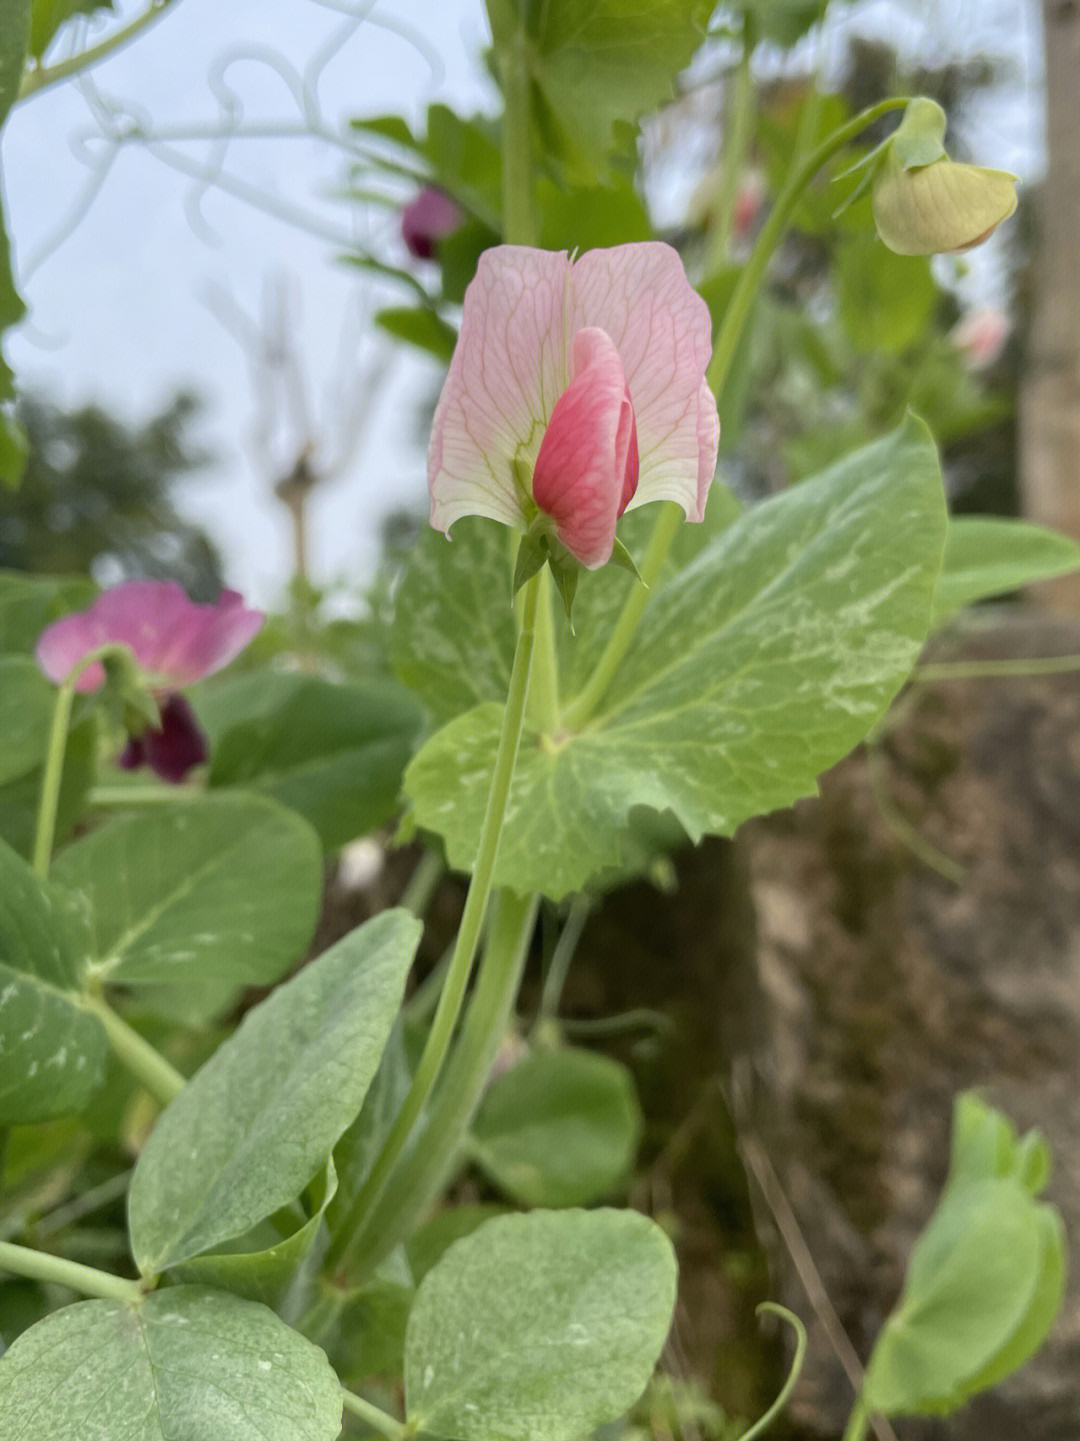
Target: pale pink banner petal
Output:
[(509, 367), (586, 466), (640, 295)]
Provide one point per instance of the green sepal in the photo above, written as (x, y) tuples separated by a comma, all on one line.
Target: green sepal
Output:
[(533, 554), (620, 556), (566, 574), (919, 139)]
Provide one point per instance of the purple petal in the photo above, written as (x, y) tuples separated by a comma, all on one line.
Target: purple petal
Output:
[(426, 220), (179, 744)]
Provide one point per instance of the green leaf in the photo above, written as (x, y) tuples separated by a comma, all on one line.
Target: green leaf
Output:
[(560, 1128), (46, 17), (591, 218), (264, 1272), (596, 67), (984, 1282), (452, 640), (187, 1363), (19, 797), (539, 1327), (262, 1116), (885, 301), (754, 669), (985, 1279), (26, 707), (189, 902), (387, 127), (14, 38), (28, 603), (987, 556), (333, 752), (420, 327), (784, 22), (52, 1052)]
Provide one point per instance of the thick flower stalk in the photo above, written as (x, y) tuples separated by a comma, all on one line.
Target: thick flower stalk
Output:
[(577, 391), (173, 642)]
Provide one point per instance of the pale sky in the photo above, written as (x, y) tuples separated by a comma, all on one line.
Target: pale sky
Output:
[(119, 306)]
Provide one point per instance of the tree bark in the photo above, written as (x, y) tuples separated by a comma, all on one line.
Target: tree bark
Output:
[(1050, 395)]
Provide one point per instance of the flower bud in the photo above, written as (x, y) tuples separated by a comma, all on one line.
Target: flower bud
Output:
[(926, 204)]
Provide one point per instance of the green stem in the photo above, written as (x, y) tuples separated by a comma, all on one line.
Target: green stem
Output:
[(776, 1409), (858, 1426), (150, 795), (424, 1170), (51, 779), (422, 884), (375, 1417), (544, 690), (772, 232), (561, 957), (453, 992), (736, 143), (53, 773), (39, 76), (519, 197), (86, 1280), (583, 706), (148, 1066), (996, 669)]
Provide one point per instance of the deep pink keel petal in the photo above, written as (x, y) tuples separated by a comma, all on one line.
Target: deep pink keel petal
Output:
[(509, 368), (169, 635), (640, 296), (587, 466)]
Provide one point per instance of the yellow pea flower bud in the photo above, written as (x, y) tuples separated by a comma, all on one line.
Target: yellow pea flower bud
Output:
[(923, 202)]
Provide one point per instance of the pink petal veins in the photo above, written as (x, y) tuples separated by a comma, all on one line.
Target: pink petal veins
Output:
[(640, 295), (587, 467), (508, 369)]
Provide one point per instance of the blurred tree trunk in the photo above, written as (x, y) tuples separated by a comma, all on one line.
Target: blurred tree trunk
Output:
[(1050, 397)]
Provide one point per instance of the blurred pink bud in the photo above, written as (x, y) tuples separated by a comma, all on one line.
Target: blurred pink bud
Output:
[(980, 336), (585, 378), (749, 199), (174, 640), (425, 221), (171, 749)]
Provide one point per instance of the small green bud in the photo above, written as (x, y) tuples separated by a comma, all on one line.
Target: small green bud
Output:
[(926, 204)]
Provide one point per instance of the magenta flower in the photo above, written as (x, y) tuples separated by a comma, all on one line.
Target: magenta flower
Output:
[(174, 642), (577, 391), (426, 220)]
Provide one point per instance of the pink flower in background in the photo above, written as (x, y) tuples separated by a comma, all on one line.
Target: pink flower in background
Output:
[(578, 389), (749, 200), (426, 220), (980, 336), (174, 641)]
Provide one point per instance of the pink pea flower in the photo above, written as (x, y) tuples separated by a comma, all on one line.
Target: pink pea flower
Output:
[(426, 220), (174, 642), (980, 336), (577, 391)]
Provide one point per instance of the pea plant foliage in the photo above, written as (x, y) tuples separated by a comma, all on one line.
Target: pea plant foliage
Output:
[(608, 657)]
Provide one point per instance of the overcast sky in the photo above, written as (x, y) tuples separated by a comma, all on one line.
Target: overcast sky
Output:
[(127, 307)]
